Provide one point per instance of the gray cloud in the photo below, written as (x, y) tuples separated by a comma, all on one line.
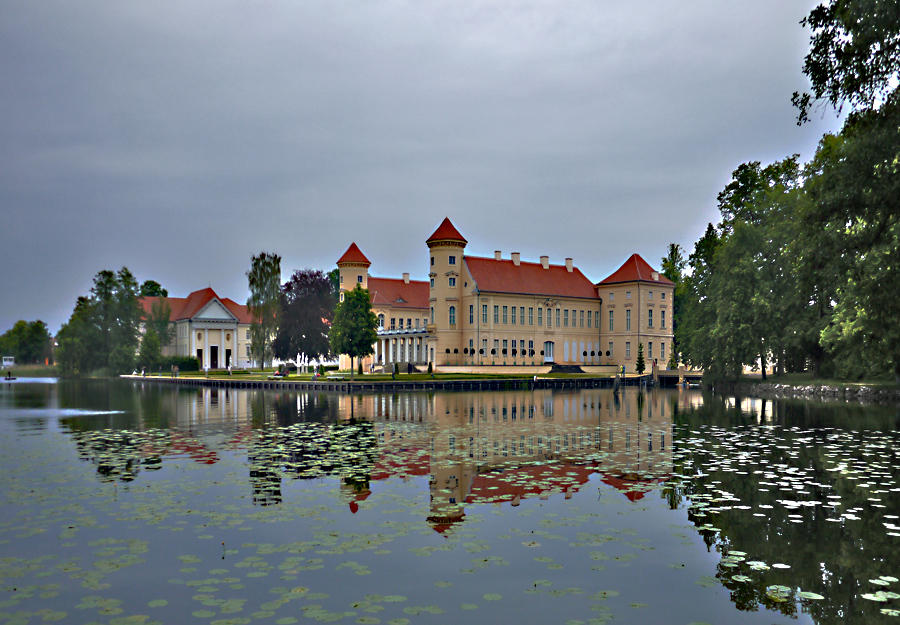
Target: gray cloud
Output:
[(179, 139)]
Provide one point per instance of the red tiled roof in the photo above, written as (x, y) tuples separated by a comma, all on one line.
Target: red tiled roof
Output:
[(503, 276), (354, 255), (446, 232), (390, 292), (635, 269), (190, 306)]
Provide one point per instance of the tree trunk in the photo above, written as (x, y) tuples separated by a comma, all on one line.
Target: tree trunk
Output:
[(762, 361)]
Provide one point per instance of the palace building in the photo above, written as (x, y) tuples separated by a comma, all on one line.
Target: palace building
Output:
[(477, 311)]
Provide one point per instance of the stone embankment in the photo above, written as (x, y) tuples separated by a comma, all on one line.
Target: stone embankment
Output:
[(862, 394)]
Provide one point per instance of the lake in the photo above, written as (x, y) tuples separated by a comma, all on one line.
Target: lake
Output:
[(132, 502)]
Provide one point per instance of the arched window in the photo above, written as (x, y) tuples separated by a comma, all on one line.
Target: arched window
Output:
[(381, 320), (453, 315)]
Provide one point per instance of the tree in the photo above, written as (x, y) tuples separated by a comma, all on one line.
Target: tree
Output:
[(151, 353), (27, 342), (152, 288), (335, 276), (673, 265), (104, 329), (159, 320), (354, 330), (264, 278), (854, 54), (639, 364), (306, 310)]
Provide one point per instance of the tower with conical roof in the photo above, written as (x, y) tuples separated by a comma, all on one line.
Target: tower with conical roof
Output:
[(446, 248), (353, 268)]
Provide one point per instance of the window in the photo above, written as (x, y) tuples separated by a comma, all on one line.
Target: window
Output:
[(610, 349), (662, 319), (452, 281), (597, 320), (531, 315), (471, 314), (627, 350), (611, 320), (484, 345), (409, 323), (530, 348), (496, 314), (393, 323), (589, 318), (557, 317), (342, 297), (612, 296), (650, 350), (453, 315), (417, 323), (540, 316), (662, 295), (549, 320), (342, 279), (649, 294), (650, 318), (662, 351), (627, 294), (627, 320), (484, 313), (432, 283), (496, 346), (566, 317), (432, 315), (451, 260), (505, 314), (522, 315), (359, 279), (514, 315), (505, 345), (581, 319), (432, 261)]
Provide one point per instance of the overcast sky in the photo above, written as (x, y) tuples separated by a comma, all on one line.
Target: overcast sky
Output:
[(179, 138)]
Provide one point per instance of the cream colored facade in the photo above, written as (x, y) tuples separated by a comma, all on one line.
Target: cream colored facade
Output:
[(483, 311)]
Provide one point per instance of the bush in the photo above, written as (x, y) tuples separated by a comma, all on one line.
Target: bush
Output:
[(430, 370), (359, 367), (396, 369), (184, 363)]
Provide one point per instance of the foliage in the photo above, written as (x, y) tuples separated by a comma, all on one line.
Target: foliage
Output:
[(640, 365), (335, 277), (151, 352), (103, 331), (159, 320), (306, 309), (673, 266), (354, 330), (184, 363), (264, 280), (152, 288), (28, 342), (854, 54)]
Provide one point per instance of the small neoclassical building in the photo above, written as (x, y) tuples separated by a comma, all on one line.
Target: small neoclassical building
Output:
[(216, 330), (479, 311)]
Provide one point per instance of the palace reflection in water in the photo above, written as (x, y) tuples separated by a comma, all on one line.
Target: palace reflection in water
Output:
[(476, 448)]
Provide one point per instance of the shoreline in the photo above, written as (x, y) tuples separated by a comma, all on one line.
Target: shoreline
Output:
[(861, 394)]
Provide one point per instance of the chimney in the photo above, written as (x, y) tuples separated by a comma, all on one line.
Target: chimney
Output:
[(406, 278), (545, 262), (496, 254), (569, 265), (515, 258), (655, 276)]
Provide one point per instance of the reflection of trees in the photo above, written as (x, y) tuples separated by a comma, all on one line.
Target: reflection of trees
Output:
[(763, 468), (118, 455)]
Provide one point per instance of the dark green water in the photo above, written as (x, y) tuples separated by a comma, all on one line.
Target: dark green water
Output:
[(131, 503)]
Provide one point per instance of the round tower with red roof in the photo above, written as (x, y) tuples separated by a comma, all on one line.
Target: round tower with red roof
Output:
[(446, 248)]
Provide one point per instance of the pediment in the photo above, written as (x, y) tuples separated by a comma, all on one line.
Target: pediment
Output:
[(215, 311)]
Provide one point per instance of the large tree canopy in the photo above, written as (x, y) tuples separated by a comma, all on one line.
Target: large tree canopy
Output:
[(27, 342), (307, 308), (104, 329)]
